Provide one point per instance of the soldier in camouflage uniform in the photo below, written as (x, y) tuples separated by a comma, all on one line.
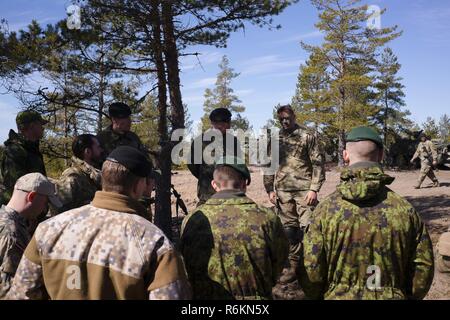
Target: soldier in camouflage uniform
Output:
[(118, 133), (426, 152), (200, 168), (21, 155), (78, 184), (365, 241), (104, 250), (233, 248), (29, 200), (295, 185)]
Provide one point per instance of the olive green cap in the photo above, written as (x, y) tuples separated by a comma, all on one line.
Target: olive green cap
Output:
[(363, 134), (237, 164), (29, 116)]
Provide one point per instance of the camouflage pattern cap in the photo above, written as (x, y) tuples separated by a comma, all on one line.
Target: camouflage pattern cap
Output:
[(237, 164), (364, 133), (37, 182), (29, 116), (220, 115)]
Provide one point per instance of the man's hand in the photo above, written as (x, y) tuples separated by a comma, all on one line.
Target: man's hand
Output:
[(412, 161), (434, 164), (311, 198), (273, 197)]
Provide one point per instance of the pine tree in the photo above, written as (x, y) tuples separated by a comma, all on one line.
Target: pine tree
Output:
[(391, 117), (430, 128), (222, 96), (348, 54)]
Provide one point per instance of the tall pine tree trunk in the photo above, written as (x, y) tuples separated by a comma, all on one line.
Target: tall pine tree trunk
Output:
[(163, 210), (173, 71)]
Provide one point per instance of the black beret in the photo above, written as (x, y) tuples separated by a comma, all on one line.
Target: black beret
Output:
[(132, 159), (220, 115), (119, 110)]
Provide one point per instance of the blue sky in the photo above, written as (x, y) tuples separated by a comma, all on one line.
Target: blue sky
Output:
[(269, 60)]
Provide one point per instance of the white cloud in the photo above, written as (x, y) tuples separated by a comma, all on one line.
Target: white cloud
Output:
[(269, 64), (200, 84), (300, 37), (244, 92)]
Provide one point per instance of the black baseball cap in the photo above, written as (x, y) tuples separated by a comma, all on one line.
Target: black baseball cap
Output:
[(132, 159)]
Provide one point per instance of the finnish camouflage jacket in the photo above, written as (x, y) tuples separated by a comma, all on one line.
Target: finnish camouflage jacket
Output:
[(426, 152), (110, 140), (203, 171), (78, 184), (301, 165), (20, 157), (233, 248), (104, 250), (364, 232), (14, 238)]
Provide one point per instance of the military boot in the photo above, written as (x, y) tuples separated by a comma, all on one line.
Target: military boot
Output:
[(288, 276)]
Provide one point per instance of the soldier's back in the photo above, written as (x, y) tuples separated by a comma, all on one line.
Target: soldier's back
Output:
[(233, 248), (365, 228)]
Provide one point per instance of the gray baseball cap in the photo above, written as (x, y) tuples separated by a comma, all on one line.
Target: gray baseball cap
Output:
[(40, 184)]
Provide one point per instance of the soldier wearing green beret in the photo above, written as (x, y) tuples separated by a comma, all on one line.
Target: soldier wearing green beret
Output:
[(118, 133), (232, 248), (365, 241), (426, 152), (22, 154), (199, 167)]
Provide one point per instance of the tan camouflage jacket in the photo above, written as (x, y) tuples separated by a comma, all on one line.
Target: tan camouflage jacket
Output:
[(14, 238), (426, 152), (301, 162), (78, 184), (443, 253), (100, 251)]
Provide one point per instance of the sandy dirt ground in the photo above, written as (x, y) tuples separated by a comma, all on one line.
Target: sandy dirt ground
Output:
[(433, 204)]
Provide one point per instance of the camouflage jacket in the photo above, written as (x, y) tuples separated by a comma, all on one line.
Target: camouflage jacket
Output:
[(362, 233), (109, 140), (233, 249), (14, 238), (301, 162), (204, 171), (20, 157), (78, 184), (426, 152), (100, 251)]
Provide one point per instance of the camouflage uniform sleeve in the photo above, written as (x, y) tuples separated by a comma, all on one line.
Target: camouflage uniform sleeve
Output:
[(8, 266), (170, 279), (28, 282), (317, 160), (14, 165), (313, 268), (434, 153), (68, 189), (422, 263), (416, 154)]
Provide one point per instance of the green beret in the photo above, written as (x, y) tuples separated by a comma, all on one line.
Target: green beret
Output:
[(220, 115), (237, 164), (29, 116), (363, 134)]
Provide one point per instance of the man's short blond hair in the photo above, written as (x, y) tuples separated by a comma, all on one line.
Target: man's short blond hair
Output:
[(117, 178)]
